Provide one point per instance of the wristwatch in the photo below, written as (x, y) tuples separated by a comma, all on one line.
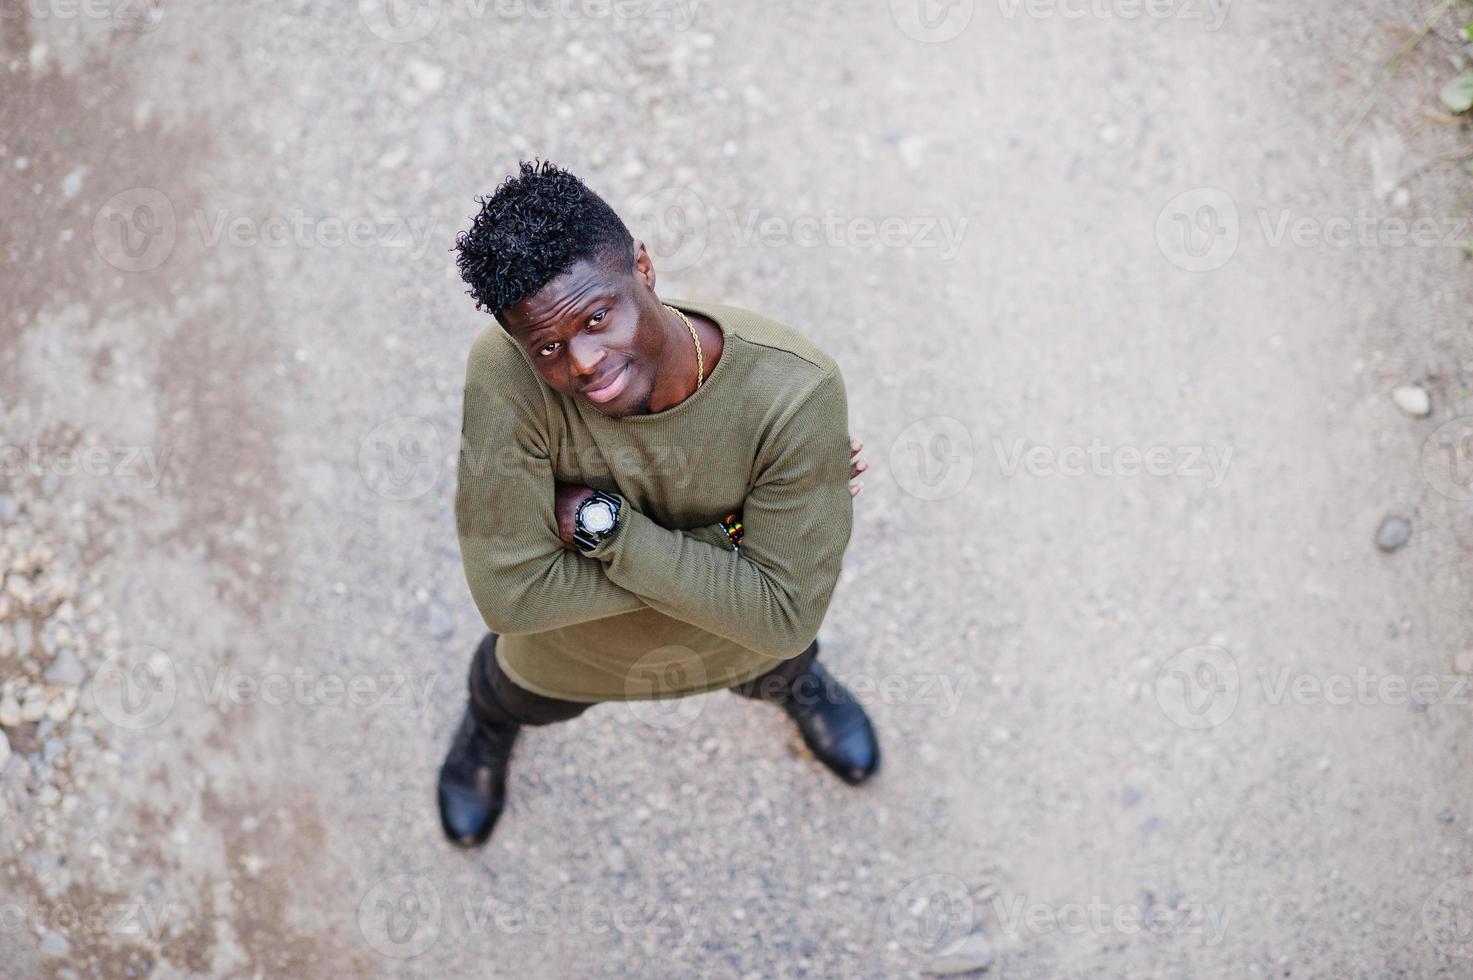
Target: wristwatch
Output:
[(596, 521)]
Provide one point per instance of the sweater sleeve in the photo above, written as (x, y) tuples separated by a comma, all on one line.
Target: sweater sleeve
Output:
[(522, 577), (797, 519)]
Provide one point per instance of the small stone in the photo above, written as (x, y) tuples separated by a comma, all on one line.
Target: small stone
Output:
[(66, 670), (54, 944), (23, 638), (1130, 796), (1394, 532), (617, 860), (912, 151), (4, 750), (427, 77), (1412, 399), (440, 624), (49, 795), (71, 185), (61, 709), (18, 587), (1401, 197), (33, 708), (1446, 816), (974, 952), (9, 711), (52, 749)]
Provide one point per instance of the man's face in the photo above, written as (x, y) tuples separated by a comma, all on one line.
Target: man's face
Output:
[(597, 324)]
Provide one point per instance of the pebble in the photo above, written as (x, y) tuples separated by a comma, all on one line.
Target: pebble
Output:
[(617, 861), (440, 623), (52, 749), (66, 669), (61, 708), (427, 77), (54, 944), (19, 587), (972, 953), (1412, 399), (1394, 532), (34, 706), (4, 750), (23, 638), (9, 711)]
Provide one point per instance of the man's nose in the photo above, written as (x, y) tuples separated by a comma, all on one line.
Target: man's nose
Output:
[(586, 354)]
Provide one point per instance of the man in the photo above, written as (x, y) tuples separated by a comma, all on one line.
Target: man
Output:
[(653, 500)]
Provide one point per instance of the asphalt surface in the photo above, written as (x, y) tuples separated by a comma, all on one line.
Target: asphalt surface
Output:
[(1121, 292)]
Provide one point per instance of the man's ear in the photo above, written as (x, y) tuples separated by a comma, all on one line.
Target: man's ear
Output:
[(644, 266)]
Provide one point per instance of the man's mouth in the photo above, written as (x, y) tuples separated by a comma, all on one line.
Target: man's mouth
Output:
[(610, 389)]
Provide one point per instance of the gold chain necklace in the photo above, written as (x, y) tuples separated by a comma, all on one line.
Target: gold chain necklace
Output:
[(700, 361)]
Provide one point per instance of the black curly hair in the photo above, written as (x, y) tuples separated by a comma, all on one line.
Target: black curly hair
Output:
[(531, 230)]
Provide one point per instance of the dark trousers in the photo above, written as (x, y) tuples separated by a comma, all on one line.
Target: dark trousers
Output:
[(498, 700)]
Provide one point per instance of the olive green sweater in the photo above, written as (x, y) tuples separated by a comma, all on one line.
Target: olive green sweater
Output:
[(664, 607)]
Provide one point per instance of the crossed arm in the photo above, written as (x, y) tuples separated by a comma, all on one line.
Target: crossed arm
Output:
[(515, 525), (570, 496)]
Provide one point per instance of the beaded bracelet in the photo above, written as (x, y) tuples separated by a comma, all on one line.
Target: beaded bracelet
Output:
[(732, 525)]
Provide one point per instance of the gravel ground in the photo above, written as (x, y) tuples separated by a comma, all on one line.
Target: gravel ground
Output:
[(1159, 586)]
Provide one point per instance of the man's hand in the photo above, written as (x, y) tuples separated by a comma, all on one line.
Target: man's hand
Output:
[(856, 467), (570, 497)]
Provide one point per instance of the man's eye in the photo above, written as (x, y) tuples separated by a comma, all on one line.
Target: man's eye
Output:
[(543, 351), (597, 317)]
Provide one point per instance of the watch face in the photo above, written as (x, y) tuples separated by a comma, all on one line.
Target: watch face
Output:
[(598, 516)]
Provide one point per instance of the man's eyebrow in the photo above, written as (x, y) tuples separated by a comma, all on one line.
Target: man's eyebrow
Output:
[(579, 310)]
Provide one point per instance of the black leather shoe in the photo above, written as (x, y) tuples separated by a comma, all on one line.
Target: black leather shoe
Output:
[(834, 725), (472, 786)]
